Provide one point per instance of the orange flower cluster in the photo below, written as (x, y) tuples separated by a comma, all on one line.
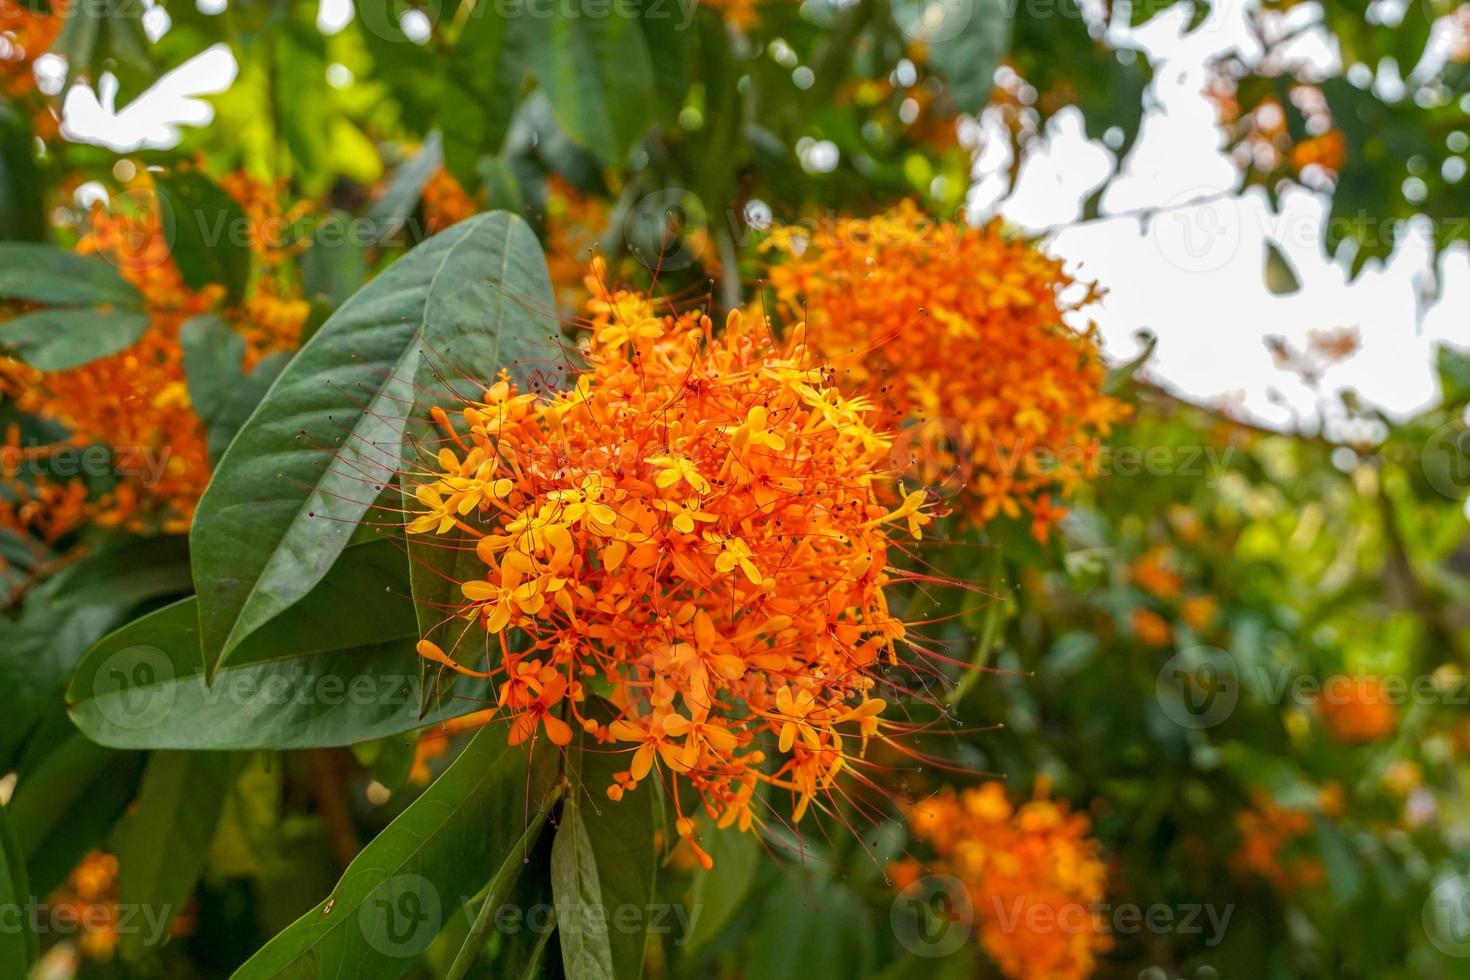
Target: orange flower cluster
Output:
[(1033, 875), (694, 531), (89, 897), (1357, 709), (35, 511), (1154, 573), (957, 333), (137, 400), (25, 35), (1267, 829), (446, 202)]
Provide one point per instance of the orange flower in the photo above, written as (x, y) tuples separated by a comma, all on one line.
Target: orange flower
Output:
[(958, 334), (1199, 612), (1357, 709), (1151, 628), (693, 530), (1266, 831), (1328, 151), (741, 13), (446, 202), (1152, 573), (137, 400), (1033, 875)]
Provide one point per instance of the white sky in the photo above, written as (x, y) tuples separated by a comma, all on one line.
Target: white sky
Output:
[(1194, 277)]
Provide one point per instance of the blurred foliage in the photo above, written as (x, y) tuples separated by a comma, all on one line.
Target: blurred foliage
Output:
[(1213, 564)]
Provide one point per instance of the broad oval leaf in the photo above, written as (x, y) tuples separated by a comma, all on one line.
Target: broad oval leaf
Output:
[(328, 437), (333, 670), (437, 854)]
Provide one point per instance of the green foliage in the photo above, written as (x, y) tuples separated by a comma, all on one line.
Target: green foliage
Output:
[(439, 852)]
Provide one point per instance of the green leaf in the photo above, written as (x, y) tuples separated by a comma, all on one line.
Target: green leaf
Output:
[(439, 852), (337, 668), (55, 340), (1281, 278), (717, 894), (482, 81), (598, 75), (967, 43), (334, 267), (65, 803), (182, 793), (18, 945), (22, 194), (208, 236), (124, 571), (796, 933), (106, 35), (327, 438), (38, 650), (47, 274), (222, 394), (602, 862), (391, 212), (1454, 374)]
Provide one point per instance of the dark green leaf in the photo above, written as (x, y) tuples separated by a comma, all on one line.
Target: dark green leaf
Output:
[(22, 198), (327, 439), (439, 852), (967, 44), (222, 394), (337, 668), (207, 233), (66, 800), (18, 945), (334, 267), (54, 340), (162, 844), (482, 82), (125, 571), (598, 75), (56, 277), (391, 211)]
